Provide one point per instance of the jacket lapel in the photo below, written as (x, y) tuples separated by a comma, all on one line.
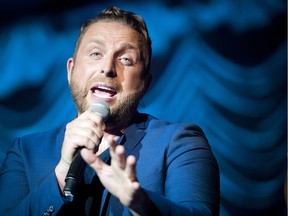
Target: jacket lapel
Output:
[(132, 136)]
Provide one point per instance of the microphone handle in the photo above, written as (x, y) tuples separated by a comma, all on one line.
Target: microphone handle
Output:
[(74, 176)]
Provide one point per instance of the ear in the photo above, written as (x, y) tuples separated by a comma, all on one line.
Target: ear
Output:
[(70, 66)]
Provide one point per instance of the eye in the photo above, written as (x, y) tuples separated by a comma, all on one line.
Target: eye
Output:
[(126, 61), (95, 55)]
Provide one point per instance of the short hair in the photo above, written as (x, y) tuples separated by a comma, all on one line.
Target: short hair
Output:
[(115, 14)]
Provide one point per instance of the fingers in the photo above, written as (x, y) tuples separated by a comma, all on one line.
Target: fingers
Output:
[(130, 168), (94, 117), (117, 153), (92, 160), (84, 131), (119, 161), (118, 157)]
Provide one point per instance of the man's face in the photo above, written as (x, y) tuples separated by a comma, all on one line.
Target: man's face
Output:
[(109, 66)]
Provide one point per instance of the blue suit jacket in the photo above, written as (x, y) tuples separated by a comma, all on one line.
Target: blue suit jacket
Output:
[(175, 166)]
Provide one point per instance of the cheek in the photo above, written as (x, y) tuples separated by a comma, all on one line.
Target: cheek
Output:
[(84, 67), (82, 73), (132, 80), (134, 84), (80, 80)]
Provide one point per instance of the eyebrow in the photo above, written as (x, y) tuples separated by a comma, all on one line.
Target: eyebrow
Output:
[(97, 41), (128, 46), (125, 46)]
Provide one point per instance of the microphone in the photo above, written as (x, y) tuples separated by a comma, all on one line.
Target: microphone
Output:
[(78, 165)]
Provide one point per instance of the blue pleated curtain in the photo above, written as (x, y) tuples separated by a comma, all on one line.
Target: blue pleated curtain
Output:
[(219, 64)]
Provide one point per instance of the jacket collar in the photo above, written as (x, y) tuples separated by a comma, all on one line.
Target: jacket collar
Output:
[(135, 132)]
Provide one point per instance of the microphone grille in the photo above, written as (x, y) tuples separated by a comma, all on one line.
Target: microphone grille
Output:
[(101, 108)]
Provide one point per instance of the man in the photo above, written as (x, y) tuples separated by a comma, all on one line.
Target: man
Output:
[(136, 164)]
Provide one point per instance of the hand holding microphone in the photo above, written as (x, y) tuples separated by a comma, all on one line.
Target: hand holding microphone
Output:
[(78, 165), (119, 177)]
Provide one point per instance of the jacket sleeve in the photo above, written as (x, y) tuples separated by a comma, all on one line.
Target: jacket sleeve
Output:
[(19, 196)]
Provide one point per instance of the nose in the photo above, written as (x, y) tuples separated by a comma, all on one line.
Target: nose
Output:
[(108, 67)]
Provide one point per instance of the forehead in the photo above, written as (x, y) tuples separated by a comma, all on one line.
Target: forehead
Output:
[(111, 31)]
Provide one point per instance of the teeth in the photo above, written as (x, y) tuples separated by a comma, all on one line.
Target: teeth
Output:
[(102, 95), (103, 91), (105, 88)]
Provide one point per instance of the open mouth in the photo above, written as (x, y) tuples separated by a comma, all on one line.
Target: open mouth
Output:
[(102, 91)]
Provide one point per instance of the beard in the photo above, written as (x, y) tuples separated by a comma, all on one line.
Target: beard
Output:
[(121, 112)]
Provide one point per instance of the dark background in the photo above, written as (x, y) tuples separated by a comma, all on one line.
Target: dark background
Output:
[(219, 63)]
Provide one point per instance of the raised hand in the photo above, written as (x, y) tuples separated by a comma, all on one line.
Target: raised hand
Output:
[(119, 177)]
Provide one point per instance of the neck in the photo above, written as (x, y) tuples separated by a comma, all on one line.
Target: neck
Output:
[(116, 126), (114, 131)]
